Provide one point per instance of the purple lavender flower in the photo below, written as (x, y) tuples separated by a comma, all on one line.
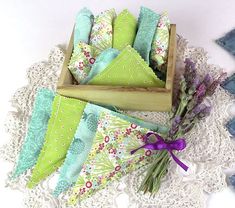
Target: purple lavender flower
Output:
[(205, 112), (201, 90), (211, 89), (194, 85), (190, 72), (188, 128), (189, 116), (189, 65), (177, 119), (198, 108), (196, 81), (176, 101), (207, 80), (175, 125), (172, 132), (199, 111), (191, 96)]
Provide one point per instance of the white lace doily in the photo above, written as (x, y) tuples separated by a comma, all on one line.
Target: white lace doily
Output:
[(209, 147)]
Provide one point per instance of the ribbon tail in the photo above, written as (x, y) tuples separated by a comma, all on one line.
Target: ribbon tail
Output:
[(146, 146), (135, 150), (181, 164)]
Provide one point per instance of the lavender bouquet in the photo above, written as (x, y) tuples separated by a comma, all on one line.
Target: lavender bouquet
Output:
[(189, 107)]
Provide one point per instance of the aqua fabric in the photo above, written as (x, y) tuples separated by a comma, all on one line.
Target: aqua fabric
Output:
[(78, 150), (147, 24), (36, 131), (102, 61), (228, 42), (83, 141), (65, 116), (83, 25)]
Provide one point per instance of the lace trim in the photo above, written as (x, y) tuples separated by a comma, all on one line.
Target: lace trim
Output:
[(209, 149)]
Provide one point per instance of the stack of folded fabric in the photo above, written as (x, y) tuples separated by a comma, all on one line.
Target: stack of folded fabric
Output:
[(112, 49), (91, 144)]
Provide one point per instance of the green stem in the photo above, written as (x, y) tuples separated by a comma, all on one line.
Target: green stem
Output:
[(155, 172), (181, 107)]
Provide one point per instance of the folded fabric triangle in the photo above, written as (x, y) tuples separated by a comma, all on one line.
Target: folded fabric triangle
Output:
[(83, 25), (83, 141), (102, 61), (110, 157), (231, 127), (229, 84), (125, 26), (128, 69), (79, 149), (82, 59), (228, 42), (147, 24), (36, 131), (160, 43), (102, 30), (65, 116)]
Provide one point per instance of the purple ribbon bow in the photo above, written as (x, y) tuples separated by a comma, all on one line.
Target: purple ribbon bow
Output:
[(160, 144)]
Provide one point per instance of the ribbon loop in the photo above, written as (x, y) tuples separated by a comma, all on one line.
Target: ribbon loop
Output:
[(160, 144)]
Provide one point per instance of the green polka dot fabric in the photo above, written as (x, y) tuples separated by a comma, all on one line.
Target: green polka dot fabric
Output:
[(127, 69), (65, 117), (125, 26), (79, 149)]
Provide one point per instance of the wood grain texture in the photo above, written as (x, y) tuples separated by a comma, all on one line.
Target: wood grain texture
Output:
[(129, 98), (171, 58), (123, 98)]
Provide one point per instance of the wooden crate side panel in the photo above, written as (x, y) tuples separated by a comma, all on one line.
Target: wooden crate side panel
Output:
[(171, 58), (130, 100)]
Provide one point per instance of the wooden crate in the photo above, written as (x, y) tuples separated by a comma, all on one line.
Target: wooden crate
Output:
[(131, 98)]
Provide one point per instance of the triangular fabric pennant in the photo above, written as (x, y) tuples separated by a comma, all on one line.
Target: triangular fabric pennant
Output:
[(79, 149), (65, 117), (102, 61), (83, 141), (36, 131), (128, 69), (83, 57), (102, 30), (160, 43), (110, 157), (83, 25), (147, 24), (124, 32)]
